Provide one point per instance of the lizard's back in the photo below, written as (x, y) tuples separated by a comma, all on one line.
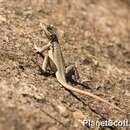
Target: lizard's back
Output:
[(56, 56)]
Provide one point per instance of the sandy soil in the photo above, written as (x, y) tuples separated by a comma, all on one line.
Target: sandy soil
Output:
[(94, 35)]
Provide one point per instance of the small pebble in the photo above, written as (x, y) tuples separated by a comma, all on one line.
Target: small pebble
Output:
[(78, 115), (63, 110)]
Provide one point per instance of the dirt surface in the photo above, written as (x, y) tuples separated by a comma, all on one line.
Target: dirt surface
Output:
[(94, 35)]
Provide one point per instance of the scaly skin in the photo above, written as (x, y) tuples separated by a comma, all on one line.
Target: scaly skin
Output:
[(55, 54)]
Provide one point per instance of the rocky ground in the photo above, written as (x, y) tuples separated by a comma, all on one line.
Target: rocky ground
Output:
[(94, 35)]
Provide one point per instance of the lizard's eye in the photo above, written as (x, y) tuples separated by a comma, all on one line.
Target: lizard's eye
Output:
[(50, 28)]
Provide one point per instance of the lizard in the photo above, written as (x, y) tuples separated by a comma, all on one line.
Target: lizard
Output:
[(55, 56)]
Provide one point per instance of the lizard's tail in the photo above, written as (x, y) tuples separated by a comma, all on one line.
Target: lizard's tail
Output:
[(69, 87)]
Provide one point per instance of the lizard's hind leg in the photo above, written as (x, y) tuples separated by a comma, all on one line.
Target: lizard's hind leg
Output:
[(72, 73), (47, 66)]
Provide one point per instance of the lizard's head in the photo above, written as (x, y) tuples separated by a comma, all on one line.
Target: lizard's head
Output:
[(51, 32)]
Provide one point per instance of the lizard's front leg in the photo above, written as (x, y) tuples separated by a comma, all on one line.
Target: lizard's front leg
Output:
[(45, 63), (40, 50)]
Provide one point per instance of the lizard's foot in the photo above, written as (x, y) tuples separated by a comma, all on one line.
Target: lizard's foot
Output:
[(38, 49)]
